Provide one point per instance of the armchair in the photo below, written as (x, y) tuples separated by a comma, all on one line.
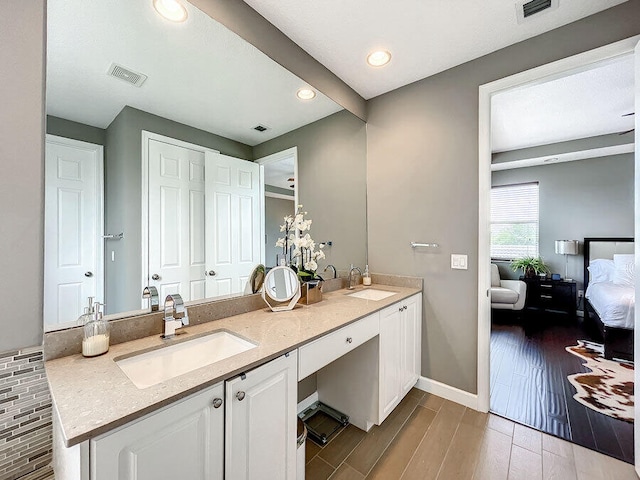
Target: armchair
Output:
[(506, 294)]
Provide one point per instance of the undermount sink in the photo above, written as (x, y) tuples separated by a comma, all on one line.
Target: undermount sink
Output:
[(150, 368), (371, 294)]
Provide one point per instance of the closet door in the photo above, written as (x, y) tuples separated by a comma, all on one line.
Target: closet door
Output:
[(233, 223), (176, 220)]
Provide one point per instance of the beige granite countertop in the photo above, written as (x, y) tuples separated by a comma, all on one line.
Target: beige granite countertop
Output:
[(93, 396)]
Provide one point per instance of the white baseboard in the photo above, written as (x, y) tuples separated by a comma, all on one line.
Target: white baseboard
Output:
[(448, 392), (307, 402)]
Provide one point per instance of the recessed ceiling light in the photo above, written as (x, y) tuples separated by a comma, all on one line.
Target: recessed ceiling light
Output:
[(378, 58), (171, 10), (306, 94)]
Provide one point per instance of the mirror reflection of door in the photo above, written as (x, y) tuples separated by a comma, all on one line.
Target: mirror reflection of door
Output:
[(204, 220), (74, 247), (281, 192)]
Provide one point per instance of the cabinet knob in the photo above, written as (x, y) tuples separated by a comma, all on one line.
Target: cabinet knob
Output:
[(210, 273), (88, 274), (240, 396), (400, 309), (349, 339), (155, 276), (217, 402)]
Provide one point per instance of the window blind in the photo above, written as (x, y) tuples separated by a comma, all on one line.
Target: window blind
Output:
[(514, 221)]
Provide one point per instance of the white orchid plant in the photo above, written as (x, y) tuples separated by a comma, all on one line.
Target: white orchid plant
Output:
[(299, 246)]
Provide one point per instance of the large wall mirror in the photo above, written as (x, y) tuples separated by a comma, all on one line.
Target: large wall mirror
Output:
[(173, 151)]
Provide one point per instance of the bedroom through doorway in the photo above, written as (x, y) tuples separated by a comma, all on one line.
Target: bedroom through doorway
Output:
[(562, 224)]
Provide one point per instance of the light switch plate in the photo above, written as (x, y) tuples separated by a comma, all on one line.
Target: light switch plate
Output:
[(458, 262)]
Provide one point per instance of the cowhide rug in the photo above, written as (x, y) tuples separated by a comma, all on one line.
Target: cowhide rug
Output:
[(609, 388)]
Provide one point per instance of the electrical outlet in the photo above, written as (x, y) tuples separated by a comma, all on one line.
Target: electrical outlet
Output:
[(580, 293)]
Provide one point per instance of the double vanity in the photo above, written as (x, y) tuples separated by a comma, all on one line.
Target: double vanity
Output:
[(220, 400)]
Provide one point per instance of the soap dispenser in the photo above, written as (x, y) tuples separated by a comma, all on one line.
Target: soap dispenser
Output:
[(366, 277), (87, 315), (96, 334)]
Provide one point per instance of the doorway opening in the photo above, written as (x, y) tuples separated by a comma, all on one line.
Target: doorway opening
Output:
[(582, 175)]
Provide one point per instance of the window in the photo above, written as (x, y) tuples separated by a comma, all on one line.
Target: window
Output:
[(514, 221)]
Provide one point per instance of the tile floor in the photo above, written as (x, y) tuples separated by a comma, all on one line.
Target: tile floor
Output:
[(427, 437)]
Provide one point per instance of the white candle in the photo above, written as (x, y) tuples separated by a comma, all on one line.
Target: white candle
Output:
[(95, 345)]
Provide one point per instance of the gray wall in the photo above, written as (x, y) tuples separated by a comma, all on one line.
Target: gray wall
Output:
[(275, 211), (422, 182), (77, 131), (123, 180), (332, 169), (587, 198), (22, 40)]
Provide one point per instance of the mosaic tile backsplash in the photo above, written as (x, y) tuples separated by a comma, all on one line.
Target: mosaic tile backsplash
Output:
[(25, 414)]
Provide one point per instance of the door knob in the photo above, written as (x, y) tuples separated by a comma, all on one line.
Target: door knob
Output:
[(217, 402), (240, 396), (88, 274), (211, 273), (155, 276)]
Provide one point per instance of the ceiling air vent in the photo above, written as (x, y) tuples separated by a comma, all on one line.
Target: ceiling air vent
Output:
[(127, 75), (261, 128), (525, 10)]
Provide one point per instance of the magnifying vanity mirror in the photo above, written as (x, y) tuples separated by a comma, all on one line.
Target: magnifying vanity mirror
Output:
[(281, 289), (159, 138)]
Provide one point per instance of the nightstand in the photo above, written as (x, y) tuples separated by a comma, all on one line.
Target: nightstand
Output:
[(551, 295)]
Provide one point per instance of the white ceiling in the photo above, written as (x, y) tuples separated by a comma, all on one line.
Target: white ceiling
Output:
[(200, 73), (581, 105), (424, 37), (278, 173)]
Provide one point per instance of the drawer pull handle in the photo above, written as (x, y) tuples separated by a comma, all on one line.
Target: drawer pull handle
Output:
[(349, 339), (546, 286), (546, 296), (240, 396), (217, 402)]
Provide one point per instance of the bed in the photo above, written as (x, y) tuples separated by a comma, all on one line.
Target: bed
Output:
[(609, 303)]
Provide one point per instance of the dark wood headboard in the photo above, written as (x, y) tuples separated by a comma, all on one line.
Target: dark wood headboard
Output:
[(613, 245)]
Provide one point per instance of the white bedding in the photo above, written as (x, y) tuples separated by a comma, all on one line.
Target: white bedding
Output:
[(615, 304)]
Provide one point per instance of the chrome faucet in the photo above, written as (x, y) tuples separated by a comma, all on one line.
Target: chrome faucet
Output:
[(175, 315), (152, 293), (335, 272), (351, 276)]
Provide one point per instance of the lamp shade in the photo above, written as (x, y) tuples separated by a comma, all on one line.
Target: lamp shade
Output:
[(567, 247)]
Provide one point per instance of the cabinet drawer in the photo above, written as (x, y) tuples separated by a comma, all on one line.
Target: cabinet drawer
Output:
[(321, 352)]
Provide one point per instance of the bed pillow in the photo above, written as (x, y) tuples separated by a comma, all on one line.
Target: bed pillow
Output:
[(601, 270), (624, 273)]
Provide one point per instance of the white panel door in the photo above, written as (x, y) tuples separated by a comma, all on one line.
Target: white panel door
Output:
[(233, 223), (176, 220), (260, 422), (73, 254), (390, 360), (411, 342), (183, 441)]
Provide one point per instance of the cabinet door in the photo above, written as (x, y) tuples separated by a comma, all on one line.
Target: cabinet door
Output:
[(183, 441), (411, 329), (390, 360), (260, 422)]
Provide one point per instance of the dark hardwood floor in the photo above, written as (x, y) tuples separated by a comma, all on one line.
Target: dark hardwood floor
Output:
[(529, 385)]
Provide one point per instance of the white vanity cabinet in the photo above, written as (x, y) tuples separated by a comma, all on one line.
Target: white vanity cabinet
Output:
[(260, 422), (183, 441), (399, 359)]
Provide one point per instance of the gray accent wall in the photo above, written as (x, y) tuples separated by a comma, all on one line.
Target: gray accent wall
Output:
[(275, 210), (22, 47), (76, 131), (422, 182), (332, 163), (123, 190), (586, 198)]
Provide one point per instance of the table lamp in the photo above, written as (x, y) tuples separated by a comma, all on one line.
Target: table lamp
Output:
[(566, 248)]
